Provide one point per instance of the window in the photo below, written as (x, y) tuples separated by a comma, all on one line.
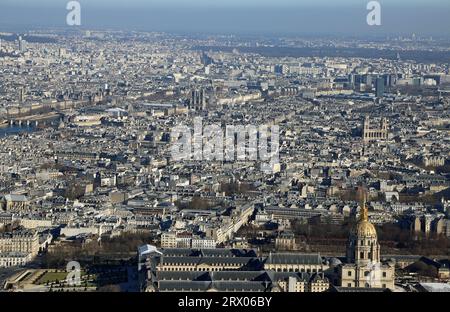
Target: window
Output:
[(361, 255), (349, 285), (383, 286), (349, 273), (384, 274)]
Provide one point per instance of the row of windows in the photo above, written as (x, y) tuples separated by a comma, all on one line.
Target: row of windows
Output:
[(313, 270), (367, 285), (300, 287), (11, 263), (189, 265), (375, 134), (366, 273), (215, 269)]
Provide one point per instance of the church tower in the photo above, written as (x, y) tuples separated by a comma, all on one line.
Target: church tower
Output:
[(375, 131)]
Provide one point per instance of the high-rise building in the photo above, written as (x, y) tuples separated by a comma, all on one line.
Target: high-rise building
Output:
[(281, 69), (22, 45), (205, 59), (368, 80), (379, 87)]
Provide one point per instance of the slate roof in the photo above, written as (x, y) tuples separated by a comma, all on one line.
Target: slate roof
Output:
[(209, 252), (207, 260), (358, 289), (218, 286)]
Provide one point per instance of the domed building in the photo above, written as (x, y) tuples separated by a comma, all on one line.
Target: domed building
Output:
[(363, 268), (362, 245)]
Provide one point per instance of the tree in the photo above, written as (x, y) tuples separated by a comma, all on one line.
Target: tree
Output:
[(110, 288)]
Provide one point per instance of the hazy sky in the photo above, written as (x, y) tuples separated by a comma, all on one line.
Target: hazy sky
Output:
[(224, 3), (236, 16)]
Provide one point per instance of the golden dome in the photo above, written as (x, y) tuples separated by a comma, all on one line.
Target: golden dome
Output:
[(364, 228)]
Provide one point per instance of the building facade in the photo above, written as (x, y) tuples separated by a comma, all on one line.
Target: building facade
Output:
[(375, 132), (26, 241)]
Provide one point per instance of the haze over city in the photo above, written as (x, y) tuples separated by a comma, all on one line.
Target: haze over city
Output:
[(240, 17), (244, 150)]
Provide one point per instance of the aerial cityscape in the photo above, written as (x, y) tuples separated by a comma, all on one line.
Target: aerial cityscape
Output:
[(134, 160)]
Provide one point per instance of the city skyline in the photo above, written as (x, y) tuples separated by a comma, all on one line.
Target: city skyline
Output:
[(288, 17), (248, 148)]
